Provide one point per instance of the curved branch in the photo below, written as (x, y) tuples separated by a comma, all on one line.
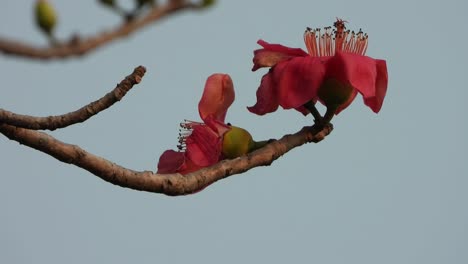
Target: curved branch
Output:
[(77, 46), (78, 116), (169, 184)]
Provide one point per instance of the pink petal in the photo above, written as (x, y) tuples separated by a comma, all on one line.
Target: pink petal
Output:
[(367, 75), (217, 96), (203, 146), (171, 161), (271, 54)]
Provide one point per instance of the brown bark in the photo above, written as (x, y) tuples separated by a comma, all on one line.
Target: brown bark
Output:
[(169, 184)]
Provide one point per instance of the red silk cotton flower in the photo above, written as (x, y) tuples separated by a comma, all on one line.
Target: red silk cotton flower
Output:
[(333, 71), (200, 143)]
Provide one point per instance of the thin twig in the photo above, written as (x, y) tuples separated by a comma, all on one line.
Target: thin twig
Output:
[(78, 116), (313, 110)]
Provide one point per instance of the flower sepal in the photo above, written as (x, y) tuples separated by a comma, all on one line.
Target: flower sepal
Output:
[(335, 95), (236, 142)]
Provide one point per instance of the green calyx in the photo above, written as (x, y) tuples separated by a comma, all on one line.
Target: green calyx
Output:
[(334, 93), (236, 142), (46, 17)]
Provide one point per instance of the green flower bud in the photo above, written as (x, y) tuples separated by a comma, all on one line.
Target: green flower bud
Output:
[(46, 17), (237, 142), (334, 94), (107, 2), (208, 3)]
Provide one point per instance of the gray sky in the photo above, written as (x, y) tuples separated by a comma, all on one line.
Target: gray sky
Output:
[(386, 188)]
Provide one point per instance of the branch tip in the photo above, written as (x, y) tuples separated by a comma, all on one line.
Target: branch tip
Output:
[(78, 116)]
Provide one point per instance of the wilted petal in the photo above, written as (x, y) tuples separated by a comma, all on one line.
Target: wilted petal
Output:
[(217, 96), (203, 146), (368, 76), (171, 161), (271, 54)]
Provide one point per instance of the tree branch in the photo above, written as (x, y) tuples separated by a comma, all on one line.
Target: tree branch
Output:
[(169, 184), (78, 116), (77, 46)]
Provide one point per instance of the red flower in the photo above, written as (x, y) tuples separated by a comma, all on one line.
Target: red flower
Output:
[(200, 144), (333, 71)]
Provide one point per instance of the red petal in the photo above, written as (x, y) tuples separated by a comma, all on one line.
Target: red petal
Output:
[(217, 126), (267, 97), (290, 84), (171, 161), (367, 75), (295, 52), (381, 83), (203, 146), (298, 80), (271, 54), (217, 96), (188, 167)]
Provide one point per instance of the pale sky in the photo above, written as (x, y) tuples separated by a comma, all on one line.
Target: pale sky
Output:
[(386, 188)]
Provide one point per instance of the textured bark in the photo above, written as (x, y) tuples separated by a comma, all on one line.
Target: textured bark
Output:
[(78, 116), (169, 184), (78, 46)]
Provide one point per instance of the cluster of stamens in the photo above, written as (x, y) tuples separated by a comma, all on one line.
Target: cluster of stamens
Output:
[(333, 40), (185, 130)]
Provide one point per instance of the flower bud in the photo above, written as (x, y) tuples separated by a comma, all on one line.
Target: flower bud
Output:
[(46, 17), (208, 3), (236, 142)]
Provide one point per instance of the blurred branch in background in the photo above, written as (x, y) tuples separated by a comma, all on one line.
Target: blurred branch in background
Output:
[(79, 45)]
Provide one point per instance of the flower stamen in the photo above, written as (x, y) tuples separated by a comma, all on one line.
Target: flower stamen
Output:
[(185, 130), (330, 41)]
